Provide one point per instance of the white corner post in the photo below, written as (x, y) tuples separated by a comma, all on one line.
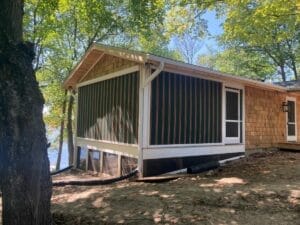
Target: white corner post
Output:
[(154, 74), (140, 121), (144, 109)]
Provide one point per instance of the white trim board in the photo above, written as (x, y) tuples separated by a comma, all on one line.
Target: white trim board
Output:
[(169, 152), (116, 148), (185, 145), (110, 76), (194, 74), (141, 117)]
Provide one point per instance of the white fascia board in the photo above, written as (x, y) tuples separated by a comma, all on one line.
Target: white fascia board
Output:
[(219, 75)]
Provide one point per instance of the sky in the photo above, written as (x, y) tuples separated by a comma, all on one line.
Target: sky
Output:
[(214, 29)]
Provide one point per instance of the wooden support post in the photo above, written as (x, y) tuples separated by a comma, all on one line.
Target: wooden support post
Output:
[(119, 165), (87, 160), (101, 162), (76, 162)]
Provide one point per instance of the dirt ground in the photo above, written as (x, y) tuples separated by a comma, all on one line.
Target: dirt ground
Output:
[(261, 189)]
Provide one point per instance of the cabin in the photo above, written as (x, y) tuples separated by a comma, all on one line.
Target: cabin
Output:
[(140, 110)]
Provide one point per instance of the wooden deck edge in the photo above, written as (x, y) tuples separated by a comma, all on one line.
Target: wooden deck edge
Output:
[(289, 146)]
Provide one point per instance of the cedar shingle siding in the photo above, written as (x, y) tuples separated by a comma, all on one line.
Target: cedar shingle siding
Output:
[(185, 110), (108, 110)]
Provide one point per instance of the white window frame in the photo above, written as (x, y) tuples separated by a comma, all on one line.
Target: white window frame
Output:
[(237, 89), (291, 138)]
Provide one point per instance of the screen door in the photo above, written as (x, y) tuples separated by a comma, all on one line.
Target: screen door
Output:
[(232, 116), (291, 120)]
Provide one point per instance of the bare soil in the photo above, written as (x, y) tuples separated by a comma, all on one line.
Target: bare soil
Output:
[(263, 188)]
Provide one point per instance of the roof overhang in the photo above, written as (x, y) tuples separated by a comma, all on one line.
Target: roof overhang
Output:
[(92, 56), (96, 51)]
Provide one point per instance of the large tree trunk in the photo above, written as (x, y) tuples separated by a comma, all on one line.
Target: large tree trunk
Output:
[(70, 129), (24, 169)]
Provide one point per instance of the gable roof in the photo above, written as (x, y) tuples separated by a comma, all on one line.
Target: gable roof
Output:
[(97, 51)]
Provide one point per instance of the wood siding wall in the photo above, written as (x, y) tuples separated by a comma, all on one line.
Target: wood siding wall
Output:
[(185, 110), (108, 110), (264, 119), (108, 64)]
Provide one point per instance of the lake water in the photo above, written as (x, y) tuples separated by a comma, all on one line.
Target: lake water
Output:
[(52, 154)]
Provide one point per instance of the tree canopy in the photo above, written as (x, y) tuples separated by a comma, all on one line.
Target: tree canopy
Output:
[(269, 29)]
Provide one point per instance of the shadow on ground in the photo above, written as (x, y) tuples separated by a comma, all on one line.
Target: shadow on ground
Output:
[(261, 189)]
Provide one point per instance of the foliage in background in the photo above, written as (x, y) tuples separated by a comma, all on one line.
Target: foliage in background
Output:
[(266, 28), (238, 62)]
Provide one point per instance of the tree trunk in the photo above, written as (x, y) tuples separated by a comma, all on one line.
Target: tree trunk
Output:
[(24, 169), (70, 129), (294, 68), (62, 128), (282, 72)]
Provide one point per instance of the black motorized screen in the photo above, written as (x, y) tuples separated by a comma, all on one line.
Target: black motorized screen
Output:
[(108, 110), (185, 110)]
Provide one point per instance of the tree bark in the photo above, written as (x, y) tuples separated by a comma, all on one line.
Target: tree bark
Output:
[(24, 169), (70, 129), (282, 72), (294, 68), (62, 128)]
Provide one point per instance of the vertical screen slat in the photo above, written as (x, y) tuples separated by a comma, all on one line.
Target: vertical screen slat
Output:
[(210, 117), (96, 111), (170, 112), (153, 109), (200, 108), (192, 111), (125, 108), (117, 118), (185, 115), (180, 107), (121, 111), (79, 117), (109, 109), (136, 105), (133, 91), (88, 114), (175, 99), (163, 110), (100, 108), (195, 105), (157, 110), (105, 106)]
